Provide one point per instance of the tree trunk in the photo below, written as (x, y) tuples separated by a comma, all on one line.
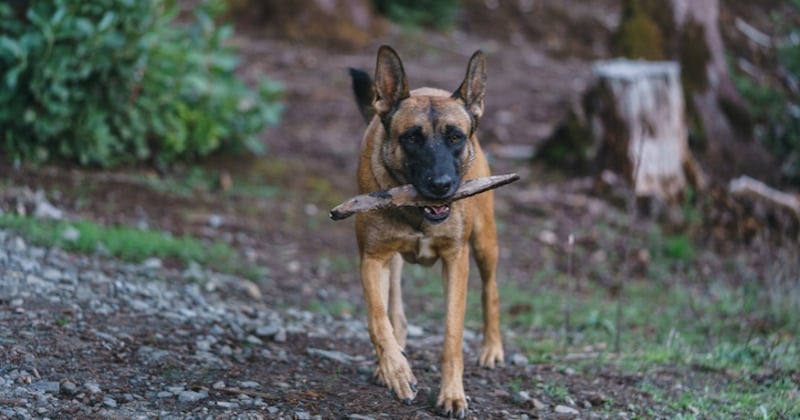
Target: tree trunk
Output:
[(636, 111), (722, 120), (719, 121)]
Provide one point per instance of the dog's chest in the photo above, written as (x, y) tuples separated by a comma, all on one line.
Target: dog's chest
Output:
[(420, 251)]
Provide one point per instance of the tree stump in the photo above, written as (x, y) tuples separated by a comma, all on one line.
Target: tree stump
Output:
[(636, 114)]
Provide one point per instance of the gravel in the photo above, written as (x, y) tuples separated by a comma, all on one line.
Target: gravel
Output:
[(91, 337), (55, 313)]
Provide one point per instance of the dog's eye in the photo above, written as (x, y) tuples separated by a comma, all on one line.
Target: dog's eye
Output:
[(456, 137), (412, 136)]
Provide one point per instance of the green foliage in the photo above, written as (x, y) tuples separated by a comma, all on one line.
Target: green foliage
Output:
[(438, 14), (775, 110), (678, 247), (104, 82)]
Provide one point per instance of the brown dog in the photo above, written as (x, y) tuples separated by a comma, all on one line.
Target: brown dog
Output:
[(425, 137)]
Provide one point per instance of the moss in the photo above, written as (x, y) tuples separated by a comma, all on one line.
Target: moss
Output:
[(660, 12), (638, 35), (569, 146)]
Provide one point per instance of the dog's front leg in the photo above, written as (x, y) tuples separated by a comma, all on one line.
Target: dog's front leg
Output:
[(393, 369), (455, 273)]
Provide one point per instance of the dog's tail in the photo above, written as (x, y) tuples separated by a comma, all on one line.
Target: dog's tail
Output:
[(364, 92)]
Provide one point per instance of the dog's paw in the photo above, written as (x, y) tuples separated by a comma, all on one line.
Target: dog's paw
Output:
[(491, 355), (394, 373), (452, 406)]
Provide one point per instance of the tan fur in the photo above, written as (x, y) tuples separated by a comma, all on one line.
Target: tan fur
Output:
[(385, 235)]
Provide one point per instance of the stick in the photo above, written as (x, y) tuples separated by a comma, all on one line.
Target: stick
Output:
[(744, 185), (406, 195)]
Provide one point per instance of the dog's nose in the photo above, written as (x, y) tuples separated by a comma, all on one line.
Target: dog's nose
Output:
[(441, 185)]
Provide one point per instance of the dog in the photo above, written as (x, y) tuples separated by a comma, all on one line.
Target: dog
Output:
[(425, 137)]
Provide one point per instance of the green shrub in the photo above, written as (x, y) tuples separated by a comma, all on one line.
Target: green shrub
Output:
[(104, 82), (438, 14), (776, 111)]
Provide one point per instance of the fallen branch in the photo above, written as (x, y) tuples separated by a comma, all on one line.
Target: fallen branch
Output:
[(744, 185), (406, 195)]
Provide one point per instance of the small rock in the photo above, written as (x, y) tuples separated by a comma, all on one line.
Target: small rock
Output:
[(538, 404), (563, 409), (191, 396), (92, 387), (152, 263), (203, 345), (70, 234), (218, 385), (586, 404), (548, 237), (18, 244), (194, 272), (52, 274), (293, 266), (522, 396), (49, 387), (267, 330), (216, 330), (414, 331), (215, 220), (164, 394), (280, 336), (302, 415), (109, 402), (175, 390), (249, 384), (253, 340), (360, 417), (67, 387), (518, 359), (331, 354), (45, 210)]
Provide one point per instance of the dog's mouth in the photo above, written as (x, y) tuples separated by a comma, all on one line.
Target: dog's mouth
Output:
[(436, 214)]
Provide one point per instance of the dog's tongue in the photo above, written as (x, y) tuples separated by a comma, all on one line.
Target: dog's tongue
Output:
[(437, 210)]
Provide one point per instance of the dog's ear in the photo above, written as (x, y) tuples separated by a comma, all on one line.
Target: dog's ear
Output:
[(390, 80), (473, 87)]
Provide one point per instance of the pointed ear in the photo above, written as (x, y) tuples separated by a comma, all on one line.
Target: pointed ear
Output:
[(473, 87), (390, 80)]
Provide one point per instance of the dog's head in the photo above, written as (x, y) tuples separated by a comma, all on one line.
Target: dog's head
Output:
[(430, 134)]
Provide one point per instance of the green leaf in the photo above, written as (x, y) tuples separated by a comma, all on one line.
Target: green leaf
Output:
[(10, 46), (108, 19)]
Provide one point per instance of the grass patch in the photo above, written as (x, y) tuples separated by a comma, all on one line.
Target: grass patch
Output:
[(727, 352), (197, 178), (128, 243)]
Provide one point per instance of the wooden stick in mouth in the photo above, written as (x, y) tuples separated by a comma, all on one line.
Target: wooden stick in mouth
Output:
[(406, 195)]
